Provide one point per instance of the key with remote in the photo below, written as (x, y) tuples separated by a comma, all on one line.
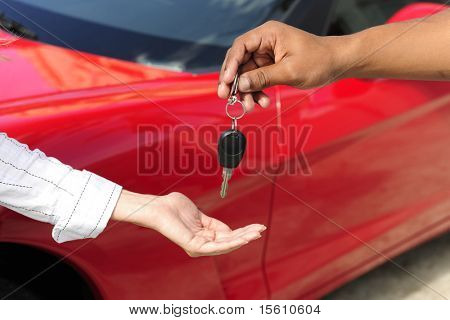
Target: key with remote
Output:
[(231, 149)]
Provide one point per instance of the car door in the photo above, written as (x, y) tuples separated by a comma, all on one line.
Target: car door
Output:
[(182, 149), (368, 178), (153, 137)]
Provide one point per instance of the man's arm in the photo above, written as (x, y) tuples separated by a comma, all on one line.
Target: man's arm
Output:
[(414, 50), (80, 204), (275, 53)]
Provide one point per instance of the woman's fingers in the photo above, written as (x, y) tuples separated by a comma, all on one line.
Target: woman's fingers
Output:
[(248, 236), (226, 236), (213, 248), (208, 242), (214, 224)]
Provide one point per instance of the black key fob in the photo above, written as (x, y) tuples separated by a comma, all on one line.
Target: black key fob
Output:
[(231, 148)]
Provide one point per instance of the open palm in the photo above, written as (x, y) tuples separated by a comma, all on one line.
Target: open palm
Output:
[(182, 222)]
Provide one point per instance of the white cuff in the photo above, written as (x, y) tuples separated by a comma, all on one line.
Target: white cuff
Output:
[(87, 212)]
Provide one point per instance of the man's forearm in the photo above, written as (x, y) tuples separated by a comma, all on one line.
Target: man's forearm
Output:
[(416, 50)]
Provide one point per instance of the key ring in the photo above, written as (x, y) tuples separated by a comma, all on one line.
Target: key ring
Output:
[(233, 99)]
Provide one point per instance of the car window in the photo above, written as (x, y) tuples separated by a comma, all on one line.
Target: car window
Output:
[(350, 16), (188, 35)]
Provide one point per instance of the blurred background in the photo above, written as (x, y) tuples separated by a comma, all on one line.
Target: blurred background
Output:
[(172, 34), (430, 262)]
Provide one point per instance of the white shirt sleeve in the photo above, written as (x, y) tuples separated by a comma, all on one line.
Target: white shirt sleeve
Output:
[(78, 203)]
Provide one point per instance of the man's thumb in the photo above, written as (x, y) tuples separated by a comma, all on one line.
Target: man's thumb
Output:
[(261, 78)]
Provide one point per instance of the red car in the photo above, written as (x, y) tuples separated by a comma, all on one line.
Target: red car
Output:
[(96, 85)]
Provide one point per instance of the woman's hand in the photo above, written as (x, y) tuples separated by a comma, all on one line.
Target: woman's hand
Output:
[(177, 218)]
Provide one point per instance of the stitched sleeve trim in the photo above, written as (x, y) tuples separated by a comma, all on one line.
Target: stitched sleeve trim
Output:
[(74, 209), (103, 213), (87, 215)]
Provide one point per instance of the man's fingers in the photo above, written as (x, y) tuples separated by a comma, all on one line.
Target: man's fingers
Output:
[(223, 90), (248, 66), (247, 100), (224, 87), (239, 53), (224, 64), (261, 78), (261, 98), (229, 70)]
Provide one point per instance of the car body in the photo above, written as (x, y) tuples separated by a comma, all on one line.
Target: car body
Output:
[(377, 150)]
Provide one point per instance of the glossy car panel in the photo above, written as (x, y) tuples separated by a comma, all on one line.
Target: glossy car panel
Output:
[(416, 11), (98, 128), (51, 69), (377, 151), (373, 182)]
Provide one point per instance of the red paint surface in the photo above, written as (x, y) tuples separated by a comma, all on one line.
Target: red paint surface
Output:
[(378, 151), (417, 11)]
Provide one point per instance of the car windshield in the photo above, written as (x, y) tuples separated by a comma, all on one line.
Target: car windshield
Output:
[(188, 35)]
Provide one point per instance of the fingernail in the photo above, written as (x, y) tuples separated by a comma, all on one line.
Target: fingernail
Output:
[(264, 102), (244, 84), (220, 88), (227, 74)]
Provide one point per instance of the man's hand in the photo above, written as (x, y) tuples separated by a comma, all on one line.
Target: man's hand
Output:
[(177, 218), (275, 53)]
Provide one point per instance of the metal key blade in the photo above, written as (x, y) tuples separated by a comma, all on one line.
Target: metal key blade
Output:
[(226, 176)]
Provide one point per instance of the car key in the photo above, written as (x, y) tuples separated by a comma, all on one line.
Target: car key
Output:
[(231, 149), (232, 143)]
